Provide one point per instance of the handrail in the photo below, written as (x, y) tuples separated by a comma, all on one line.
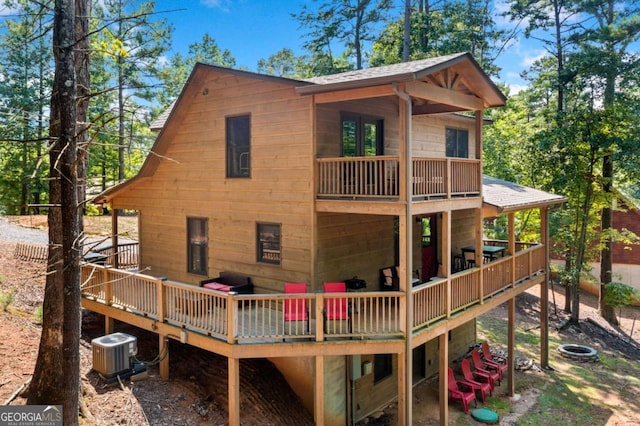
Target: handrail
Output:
[(259, 318), (377, 177)]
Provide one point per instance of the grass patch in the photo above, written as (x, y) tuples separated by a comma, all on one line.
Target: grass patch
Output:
[(6, 299)]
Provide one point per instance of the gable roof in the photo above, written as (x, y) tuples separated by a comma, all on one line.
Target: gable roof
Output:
[(501, 196)]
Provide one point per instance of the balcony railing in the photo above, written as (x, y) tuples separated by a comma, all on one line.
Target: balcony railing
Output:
[(378, 177), (259, 318)]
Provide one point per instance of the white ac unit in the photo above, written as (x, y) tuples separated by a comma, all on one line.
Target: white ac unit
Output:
[(112, 354)]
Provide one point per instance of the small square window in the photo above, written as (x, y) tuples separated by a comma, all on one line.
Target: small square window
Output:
[(197, 245), (268, 243), (457, 141)]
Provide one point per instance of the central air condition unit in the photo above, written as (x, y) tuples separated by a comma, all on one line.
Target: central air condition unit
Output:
[(113, 353)]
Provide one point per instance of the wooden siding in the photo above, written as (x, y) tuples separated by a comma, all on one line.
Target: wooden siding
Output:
[(350, 245), (191, 182), (328, 123), (428, 134)]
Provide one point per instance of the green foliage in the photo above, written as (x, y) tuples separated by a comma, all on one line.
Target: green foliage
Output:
[(619, 295), (26, 63), (285, 63), (37, 314), (351, 23), (441, 29), (6, 299)]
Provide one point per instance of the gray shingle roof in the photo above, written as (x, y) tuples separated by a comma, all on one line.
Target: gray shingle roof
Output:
[(508, 196), (395, 70)]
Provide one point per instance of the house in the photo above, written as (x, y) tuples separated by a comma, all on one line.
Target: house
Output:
[(625, 256), (374, 174)]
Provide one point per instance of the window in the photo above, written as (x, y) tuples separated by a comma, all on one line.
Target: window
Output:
[(457, 142), (268, 243), (238, 146), (382, 366), (197, 245), (361, 136)]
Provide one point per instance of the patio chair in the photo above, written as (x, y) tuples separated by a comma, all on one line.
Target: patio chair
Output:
[(481, 366), (488, 359), (336, 308), (479, 381), (488, 355), (456, 393), (469, 259), (296, 309)]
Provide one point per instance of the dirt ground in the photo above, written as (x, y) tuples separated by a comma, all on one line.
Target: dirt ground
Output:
[(197, 391)]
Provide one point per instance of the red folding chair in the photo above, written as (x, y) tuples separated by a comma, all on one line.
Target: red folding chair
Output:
[(479, 382), (336, 308), (296, 309), (455, 393)]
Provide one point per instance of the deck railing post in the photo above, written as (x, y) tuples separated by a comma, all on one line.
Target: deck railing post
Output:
[(108, 291), (448, 297), (319, 324), (161, 301), (232, 318)]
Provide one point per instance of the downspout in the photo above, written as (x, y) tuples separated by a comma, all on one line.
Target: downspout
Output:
[(408, 196)]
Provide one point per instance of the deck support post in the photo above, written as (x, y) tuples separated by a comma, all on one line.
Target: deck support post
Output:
[(402, 395), (511, 383), (318, 396), (443, 385), (544, 291), (234, 391), (163, 350), (108, 325)]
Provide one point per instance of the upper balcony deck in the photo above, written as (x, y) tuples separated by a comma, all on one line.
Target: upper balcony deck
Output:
[(378, 179)]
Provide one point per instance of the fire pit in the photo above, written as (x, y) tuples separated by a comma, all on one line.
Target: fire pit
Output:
[(578, 352)]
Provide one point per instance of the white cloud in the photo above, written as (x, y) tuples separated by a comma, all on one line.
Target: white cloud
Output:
[(532, 55), (223, 5)]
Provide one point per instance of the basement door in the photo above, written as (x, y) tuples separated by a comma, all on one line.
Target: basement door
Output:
[(429, 244)]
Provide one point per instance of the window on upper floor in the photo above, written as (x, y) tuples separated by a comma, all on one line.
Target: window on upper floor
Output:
[(238, 141), (197, 245), (361, 136), (268, 236), (457, 142)]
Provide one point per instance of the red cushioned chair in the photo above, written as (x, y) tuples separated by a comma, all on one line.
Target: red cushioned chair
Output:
[(455, 393), (336, 308), (296, 309)]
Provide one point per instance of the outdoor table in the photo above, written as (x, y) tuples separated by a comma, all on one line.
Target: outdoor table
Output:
[(493, 252)]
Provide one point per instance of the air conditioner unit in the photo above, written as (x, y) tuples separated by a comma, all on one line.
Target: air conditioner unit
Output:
[(113, 353)]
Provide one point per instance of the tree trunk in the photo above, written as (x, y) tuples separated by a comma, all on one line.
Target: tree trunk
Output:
[(406, 42), (57, 375)]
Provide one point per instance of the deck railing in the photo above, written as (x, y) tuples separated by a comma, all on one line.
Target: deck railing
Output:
[(378, 177), (127, 255), (440, 298), (259, 318)]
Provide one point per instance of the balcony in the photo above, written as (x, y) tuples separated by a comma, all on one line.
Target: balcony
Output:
[(378, 178), (259, 318)]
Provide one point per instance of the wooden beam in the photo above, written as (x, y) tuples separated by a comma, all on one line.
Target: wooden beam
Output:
[(544, 291), (318, 412), (353, 94), (234, 391), (402, 395), (437, 94), (511, 327), (443, 388), (163, 350)]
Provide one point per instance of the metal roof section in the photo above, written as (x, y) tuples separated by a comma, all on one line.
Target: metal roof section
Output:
[(504, 196)]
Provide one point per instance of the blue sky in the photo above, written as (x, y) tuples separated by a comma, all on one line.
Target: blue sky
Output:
[(254, 29)]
